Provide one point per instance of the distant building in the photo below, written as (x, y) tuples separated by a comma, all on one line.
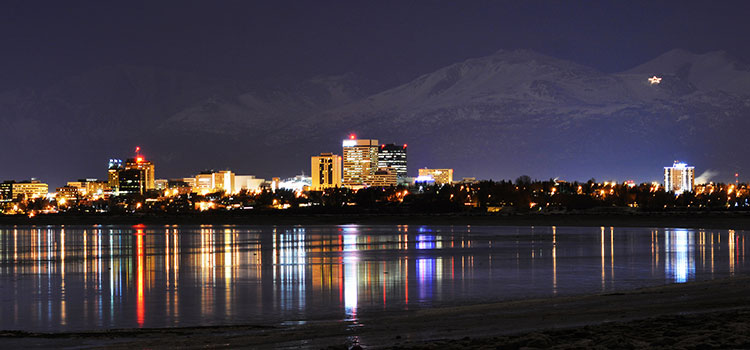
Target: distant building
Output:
[(440, 176), (360, 161), (679, 178), (113, 171), (29, 189), (247, 183), (393, 156), (190, 181), (214, 181), (297, 183), (6, 191), (67, 193), (180, 186), (469, 180), (161, 184), (326, 171), (384, 177), (89, 187), (131, 181), (147, 167)]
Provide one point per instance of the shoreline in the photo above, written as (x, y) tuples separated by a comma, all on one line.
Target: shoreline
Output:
[(707, 313), (712, 220)]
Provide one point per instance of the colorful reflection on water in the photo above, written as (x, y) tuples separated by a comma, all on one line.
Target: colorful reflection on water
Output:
[(70, 278)]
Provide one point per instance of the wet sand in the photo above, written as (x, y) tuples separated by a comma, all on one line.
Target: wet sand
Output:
[(696, 315)]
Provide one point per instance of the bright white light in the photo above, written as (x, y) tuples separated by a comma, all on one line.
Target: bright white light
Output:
[(349, 143), (654, 80)]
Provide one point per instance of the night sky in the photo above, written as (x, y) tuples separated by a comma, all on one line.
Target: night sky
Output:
[(44, 42)]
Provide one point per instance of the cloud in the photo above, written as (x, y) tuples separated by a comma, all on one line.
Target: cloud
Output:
[(706, 176)]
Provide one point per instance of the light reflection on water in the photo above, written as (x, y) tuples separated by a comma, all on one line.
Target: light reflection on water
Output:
[(70, 278)]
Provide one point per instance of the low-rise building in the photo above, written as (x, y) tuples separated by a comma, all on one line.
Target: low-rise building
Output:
[(440, 176), (384, 177), (247, 183), (214, 181), (29, 189)]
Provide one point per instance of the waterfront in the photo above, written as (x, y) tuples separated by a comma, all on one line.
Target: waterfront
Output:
[(73, 278)]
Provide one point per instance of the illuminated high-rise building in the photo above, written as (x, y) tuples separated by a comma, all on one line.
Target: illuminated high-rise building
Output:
[(131, 181), (393, 156), (140, 163), (360, 161), (115, 165), (679, 178), (326, 171), (440, 176)]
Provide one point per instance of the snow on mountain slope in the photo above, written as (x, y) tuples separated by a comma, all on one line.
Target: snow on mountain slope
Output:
[(709, 71), (522, 111)]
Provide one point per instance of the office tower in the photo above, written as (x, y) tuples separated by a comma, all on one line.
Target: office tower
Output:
[(360, 161), (132, 181), (679, 178), (326, 171), (140, 163), (115, 165), (441, 176), (393, 156)]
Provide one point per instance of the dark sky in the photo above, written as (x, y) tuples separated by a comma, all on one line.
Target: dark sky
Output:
[(46, 40)]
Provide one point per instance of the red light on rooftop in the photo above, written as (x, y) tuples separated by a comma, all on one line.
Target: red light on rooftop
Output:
[(404, 145), (352, 136)]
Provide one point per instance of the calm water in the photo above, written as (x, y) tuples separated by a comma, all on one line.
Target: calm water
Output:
[(58, 278)]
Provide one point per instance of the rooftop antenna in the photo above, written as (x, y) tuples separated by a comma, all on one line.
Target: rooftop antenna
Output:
[(138, 157)]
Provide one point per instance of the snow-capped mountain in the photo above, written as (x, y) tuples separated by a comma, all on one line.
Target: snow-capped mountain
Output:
[(519, 111), (499, 116)]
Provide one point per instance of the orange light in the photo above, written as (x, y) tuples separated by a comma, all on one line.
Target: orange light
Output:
[(139, 159)]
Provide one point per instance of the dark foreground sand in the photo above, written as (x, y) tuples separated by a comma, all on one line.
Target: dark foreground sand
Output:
[(697, 315)]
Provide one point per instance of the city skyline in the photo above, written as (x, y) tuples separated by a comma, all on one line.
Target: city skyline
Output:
[(468, 84), (705, 176)]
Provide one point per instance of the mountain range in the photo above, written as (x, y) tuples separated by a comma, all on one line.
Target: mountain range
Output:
[(500, 116)]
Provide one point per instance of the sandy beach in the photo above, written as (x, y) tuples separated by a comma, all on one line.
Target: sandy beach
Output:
[(696, 315)]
